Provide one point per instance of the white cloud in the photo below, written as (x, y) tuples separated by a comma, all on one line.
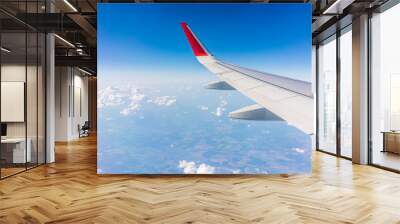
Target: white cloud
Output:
[(219, 111), (191, 168), (205, 169), (137, 97), (163, 101), (188, 167), (116, 96), (221, 108), (223, 102), (236, 171), (203, 108), (131, 109), (129, 96), (126, 112), (299, 150), (110, 96), (267, 132)]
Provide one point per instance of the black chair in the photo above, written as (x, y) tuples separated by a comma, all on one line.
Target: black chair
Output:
[(84, 130)]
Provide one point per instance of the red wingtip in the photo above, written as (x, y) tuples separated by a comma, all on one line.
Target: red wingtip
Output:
[(197, 48)]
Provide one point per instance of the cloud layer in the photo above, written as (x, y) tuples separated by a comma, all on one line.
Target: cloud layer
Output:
[(110, 96), (130, 97), (163, 101)]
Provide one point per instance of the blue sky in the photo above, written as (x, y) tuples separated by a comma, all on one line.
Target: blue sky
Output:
[(147, 40)]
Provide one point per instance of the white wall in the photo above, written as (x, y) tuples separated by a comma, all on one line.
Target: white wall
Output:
[(80, 104), (62, 81), (71, 102), (17, 73)]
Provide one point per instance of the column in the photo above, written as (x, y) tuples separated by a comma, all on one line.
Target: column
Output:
[(360, 90)]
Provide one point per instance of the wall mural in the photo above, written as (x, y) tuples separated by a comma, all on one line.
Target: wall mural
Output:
[(204, 88)]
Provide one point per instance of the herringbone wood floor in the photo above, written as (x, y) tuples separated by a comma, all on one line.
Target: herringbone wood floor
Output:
[(70, 191)]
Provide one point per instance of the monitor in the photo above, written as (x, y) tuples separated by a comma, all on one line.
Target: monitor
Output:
[(3, 129)]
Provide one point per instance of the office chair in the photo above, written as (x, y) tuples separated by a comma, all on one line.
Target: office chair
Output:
[(84, 130)]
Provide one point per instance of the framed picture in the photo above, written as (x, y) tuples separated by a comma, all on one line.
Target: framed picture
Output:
[(204, 88)]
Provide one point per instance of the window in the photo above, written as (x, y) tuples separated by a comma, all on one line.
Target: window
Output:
[(346, 92), (327, 95), (385, 89)]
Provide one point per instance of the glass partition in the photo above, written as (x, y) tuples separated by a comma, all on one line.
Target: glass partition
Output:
[(22, 101), (14, 153), (31, 99)]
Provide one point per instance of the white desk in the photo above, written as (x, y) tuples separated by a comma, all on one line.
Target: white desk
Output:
[(19, 153)]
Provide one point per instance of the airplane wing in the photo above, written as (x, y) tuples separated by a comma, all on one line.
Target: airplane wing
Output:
[(277, 98)]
